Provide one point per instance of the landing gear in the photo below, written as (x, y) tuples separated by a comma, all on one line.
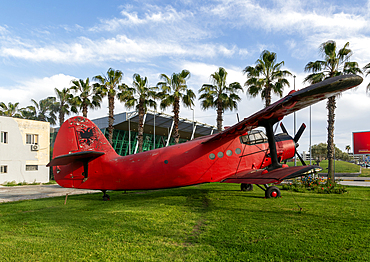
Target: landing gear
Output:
[(105, 196), (246, 187), (272, 192)]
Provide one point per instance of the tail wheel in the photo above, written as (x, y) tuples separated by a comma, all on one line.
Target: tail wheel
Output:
[(246, 187), (106, 197), (272, 192)]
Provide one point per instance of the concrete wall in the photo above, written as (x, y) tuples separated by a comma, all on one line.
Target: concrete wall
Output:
[(16, 154)]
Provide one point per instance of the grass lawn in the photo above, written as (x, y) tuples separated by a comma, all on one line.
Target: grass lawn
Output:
[(340, 166), (211, 222), (365, 172)]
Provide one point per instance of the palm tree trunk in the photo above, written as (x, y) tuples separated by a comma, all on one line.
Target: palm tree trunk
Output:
[(176, 109), (110, 118), (331, 108), (61, 117), (219, 117), (268, 96), (84, 110), (141, 127)]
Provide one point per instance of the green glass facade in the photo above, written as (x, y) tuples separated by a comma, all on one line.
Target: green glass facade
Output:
[(121, 141)]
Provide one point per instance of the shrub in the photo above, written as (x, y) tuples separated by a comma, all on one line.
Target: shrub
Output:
[(316, 184)]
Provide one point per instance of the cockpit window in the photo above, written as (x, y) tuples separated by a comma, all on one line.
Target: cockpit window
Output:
[(254, 137)]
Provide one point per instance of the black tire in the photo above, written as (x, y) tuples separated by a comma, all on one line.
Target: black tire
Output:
[(272, 192), (106, 198), (246, 187)]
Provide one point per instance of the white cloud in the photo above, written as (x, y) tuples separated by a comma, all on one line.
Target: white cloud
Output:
[(291, 43), (289, 16), (3, 30), (153, 14), (119, 48), (37, 89)]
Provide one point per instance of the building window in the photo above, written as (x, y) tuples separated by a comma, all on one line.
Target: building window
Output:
[(4, 137), (32, 139), (4, 169), (32, 167)]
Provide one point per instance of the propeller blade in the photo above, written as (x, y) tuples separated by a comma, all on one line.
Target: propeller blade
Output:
[(299, 133), (301, 159), (283, 128)]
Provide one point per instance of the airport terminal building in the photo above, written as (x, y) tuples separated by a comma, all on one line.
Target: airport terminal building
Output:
[(158, 129), (24, 150)]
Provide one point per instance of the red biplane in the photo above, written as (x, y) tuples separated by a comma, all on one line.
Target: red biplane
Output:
[(83, 158)]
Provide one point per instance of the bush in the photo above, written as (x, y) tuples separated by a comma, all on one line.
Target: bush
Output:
[(316, 184)]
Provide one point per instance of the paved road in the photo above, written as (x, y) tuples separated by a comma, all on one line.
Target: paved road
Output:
[(355, 181), (16, 193)]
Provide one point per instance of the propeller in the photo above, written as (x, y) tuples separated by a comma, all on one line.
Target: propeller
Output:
[(299, 133), (296, 139)]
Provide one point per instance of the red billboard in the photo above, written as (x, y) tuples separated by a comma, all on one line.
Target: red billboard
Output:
[(361, 143)]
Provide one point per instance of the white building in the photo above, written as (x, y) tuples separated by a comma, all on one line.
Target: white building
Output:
[(24, 150), (306, 156)]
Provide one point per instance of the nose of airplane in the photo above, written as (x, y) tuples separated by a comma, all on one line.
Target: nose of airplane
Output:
[(296, 138)]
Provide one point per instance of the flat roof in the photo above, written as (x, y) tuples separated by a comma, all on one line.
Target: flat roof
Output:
[(161, 121)]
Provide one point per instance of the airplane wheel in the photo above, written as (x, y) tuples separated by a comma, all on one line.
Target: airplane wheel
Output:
[(272, 192), (106, 198), (246, 187)]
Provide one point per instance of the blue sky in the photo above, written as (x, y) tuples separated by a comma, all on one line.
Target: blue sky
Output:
[(46, 44)]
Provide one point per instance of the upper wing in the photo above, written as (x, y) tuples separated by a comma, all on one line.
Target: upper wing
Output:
[(294, 101), (262, 176)]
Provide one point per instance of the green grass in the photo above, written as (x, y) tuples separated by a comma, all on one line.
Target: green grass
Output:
[(211, 222), (14, 183), (365, 172), (340, 166)]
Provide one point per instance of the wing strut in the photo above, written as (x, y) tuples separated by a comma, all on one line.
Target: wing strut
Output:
[(268, 124)]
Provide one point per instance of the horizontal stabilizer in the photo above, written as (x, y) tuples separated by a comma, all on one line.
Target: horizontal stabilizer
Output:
[(79, 156), (261, 176)]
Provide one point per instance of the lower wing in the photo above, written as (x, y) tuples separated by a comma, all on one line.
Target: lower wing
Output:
[(276, 176)]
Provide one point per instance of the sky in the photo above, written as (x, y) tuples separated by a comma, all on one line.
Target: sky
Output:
[(46, 44)]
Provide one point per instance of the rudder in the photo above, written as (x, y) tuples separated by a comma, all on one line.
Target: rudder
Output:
[(79, 134), (79, 141)]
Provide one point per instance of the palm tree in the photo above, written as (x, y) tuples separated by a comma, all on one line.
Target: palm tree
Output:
[(64, 105), (11, 110), (107, 86), (335, 63), (219, 95), (44, 110), (88, 97), (174, 90), (143, 97), (366, 70), (266, 77)]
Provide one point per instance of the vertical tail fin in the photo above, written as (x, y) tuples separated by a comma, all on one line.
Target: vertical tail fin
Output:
[(79, 134), (79, 146)]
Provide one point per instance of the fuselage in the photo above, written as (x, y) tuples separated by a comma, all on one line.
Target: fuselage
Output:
[(189, 163)]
